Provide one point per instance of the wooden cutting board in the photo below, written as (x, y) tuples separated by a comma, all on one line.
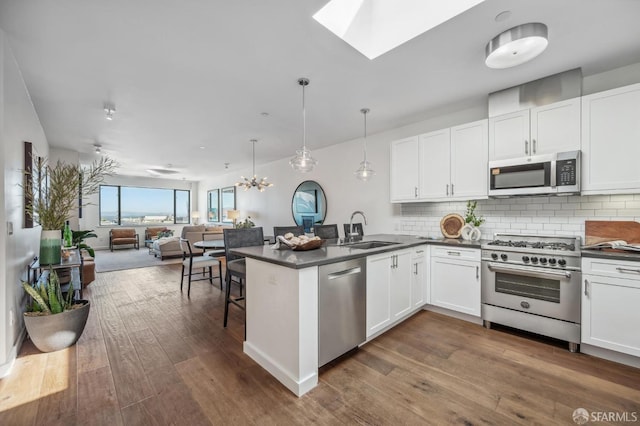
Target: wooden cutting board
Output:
[(596, 231)]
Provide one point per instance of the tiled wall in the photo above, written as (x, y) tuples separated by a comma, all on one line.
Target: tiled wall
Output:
[(525, 215)]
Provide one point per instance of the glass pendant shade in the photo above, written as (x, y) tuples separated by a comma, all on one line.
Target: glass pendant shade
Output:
[(247, 184), (303, 161), (365, 172)]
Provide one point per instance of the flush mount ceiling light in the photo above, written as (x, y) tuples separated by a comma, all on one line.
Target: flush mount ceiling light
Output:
[(303, 161), (516, 45), (365, 172), (247, 184), (163, 171), (109, 109)]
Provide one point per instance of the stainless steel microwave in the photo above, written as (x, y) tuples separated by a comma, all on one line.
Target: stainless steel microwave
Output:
[(549, 174)]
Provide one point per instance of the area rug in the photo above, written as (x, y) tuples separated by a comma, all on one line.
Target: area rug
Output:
[(118, 260)]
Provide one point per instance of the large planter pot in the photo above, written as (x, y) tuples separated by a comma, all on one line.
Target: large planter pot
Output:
[(58, 331), (50, 243)]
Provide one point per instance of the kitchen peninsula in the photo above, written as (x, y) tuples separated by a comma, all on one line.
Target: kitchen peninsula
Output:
[(282, 304)]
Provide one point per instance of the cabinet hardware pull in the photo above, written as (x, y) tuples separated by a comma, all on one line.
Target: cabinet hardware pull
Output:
[(623, 270), (586, 287), (453, 253), (477, 272), (451, 189), (415, 272), (526, 146), (533, 145), (447, 189), (415, 191), (419, 251)]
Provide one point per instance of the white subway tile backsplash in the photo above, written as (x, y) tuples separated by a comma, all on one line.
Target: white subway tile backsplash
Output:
[(563, 215)]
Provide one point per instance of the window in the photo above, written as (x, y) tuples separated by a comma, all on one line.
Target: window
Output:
[(213, 205), (129, 206)]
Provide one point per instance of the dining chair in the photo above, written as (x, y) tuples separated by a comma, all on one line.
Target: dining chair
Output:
[(357, 228), (236, 265), (197, 262), (326, 232), (281, 230)]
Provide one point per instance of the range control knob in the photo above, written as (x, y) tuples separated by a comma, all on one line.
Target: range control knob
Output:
[(552, 261), (534, 259), (503, 257), (494, 256), (525, 259), (543, 260), (562, 262)]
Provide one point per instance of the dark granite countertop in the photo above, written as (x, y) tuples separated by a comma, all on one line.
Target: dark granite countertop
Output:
[(612, 254), (332, 252)]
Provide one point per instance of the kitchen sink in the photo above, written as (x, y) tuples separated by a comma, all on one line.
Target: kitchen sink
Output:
[(366, 245)]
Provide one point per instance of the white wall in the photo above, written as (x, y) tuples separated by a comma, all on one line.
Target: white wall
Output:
[(91, 217), (334, 173), (18, 123)]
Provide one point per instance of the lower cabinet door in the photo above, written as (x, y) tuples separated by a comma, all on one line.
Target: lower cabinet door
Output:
[(378, 293), (455, 285), (611, 313), (400, 285)]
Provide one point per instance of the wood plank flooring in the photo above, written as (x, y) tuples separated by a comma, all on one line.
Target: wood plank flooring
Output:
[(151, 356)]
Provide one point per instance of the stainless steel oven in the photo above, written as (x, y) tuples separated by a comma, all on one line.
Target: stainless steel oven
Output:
[(534, 285)]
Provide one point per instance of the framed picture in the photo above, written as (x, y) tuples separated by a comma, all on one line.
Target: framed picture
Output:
[(34, 184), (213, 205), (306, 201), (228, 201)]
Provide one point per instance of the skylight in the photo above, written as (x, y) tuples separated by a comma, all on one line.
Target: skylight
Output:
[(374, 27)]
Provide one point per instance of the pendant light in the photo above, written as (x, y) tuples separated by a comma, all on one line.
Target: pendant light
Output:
[(247, 184), (365, 172), (303, 161)]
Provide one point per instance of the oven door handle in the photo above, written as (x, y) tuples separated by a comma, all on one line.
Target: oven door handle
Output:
[(532, 272)]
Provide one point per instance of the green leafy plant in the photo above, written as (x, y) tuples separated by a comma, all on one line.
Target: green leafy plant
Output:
[(52, 204), (78, 240), (470, 214), (47, 295), (247, 223), (165, 233)]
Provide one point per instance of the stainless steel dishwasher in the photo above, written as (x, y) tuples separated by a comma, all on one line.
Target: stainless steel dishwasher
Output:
[(342, 314)]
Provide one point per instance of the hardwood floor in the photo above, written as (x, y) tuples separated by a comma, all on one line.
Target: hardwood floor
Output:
[(151, 356)]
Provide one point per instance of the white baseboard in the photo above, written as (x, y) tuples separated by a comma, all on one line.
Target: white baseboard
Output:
[(298, 386), (5, 369), (454, 314), (626, 359)]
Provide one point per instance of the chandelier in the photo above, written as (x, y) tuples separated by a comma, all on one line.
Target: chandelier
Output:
[(365, 172), (303, 161), (247, 184)]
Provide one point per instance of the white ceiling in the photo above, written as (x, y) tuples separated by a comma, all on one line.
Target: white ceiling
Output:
[(192, 73)]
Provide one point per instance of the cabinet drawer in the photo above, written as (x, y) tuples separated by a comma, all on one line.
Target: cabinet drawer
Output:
[(613, 269), (455, 253)]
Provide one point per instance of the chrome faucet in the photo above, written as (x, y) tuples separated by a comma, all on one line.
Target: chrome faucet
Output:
[(351, 233)]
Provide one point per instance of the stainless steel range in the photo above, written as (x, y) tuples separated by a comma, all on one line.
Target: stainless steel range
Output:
[(533, 283)]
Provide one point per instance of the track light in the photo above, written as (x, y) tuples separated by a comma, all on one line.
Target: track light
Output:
[(109, 109)]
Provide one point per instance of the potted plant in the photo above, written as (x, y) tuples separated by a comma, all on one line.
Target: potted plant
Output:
[(52, 205), (247, 223), (53, 322), (78, 241), (471, 231)]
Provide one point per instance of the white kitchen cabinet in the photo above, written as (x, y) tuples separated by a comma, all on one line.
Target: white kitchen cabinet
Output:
[(419, 277), (388, 289), (540, 130), (404, 170), (453, 163), (455, 279), (610, 300), (610, 141)]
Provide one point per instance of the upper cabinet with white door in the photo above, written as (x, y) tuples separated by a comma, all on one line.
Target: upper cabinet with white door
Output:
[(404, 170), (449, 164), (541, 130), (611, 141)]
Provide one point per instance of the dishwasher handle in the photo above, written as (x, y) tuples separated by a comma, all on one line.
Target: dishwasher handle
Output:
[(344, 273)]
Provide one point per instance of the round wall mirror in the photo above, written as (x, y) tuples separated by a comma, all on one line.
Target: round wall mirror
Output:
[(309, 205)]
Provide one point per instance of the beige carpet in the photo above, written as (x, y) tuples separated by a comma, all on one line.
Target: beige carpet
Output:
[(120, 259)]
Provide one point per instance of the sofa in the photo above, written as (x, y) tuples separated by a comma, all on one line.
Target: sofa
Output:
[(170, 246), (151, 234), (123, 236)]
